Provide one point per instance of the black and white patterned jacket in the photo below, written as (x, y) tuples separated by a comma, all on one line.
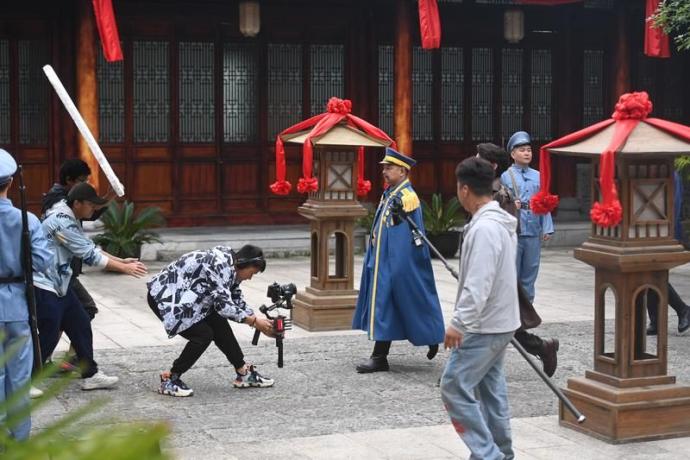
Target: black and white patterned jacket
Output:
[(187, 289)]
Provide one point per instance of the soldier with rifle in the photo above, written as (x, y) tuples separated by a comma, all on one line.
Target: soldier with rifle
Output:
[(23, 249)]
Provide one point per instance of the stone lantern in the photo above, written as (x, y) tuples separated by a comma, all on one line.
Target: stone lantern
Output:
[(629, 395), (329, 302)]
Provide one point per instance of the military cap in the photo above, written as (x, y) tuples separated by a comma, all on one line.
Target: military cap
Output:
[(7, 167), (393, 157), (517, 139)]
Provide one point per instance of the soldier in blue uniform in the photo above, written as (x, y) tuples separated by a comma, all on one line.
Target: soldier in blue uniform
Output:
[(397, 295), (523, 181), (14, 312)]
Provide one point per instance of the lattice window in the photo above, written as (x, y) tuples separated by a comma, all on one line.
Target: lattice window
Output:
[(5, 137), (541, 88), (33, 92), (386, 88), (240, 87), (593, 87), (674, 84), (452, 91), (196, 92), (326, 75), (482, 94), (284, 87), (422, 95), (111, 100), (151, 108), (511, 91)]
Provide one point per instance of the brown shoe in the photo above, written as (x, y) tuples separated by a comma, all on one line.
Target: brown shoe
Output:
[(549, 355), (373, 364)]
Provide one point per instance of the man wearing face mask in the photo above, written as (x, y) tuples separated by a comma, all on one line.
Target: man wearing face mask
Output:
[(397, 294)]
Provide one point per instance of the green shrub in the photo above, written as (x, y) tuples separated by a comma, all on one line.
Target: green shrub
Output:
[(440, 217), (126, 231)]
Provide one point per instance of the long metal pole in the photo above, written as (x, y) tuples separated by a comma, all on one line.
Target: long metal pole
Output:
[(557, 391), (27, 266)]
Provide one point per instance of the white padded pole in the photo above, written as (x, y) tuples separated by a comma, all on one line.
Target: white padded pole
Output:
[(84, 130)]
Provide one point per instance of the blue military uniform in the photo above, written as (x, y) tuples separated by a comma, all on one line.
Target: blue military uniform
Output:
[(524, 183), (397, 298), (14, 313)]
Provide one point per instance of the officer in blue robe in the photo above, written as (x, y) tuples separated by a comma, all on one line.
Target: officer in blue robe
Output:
[(15, 374), (523, 181), (397, 295)]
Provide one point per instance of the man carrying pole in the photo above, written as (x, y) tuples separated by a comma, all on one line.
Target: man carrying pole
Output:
[(16, 331)]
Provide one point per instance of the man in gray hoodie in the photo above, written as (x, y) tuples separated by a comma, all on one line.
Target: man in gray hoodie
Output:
[(486, 316)]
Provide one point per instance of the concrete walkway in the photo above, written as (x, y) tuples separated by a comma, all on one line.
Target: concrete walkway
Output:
[(320, 408)]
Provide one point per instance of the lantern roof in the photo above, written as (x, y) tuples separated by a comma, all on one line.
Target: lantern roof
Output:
[(340, 134), (644, 140)]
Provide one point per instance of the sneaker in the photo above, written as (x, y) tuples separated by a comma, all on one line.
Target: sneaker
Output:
[(35, 392), (98, 381), (252, 379), (172, 385), (67, 367)]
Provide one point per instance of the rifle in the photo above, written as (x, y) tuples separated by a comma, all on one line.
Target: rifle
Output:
[(27, 267), (417, 235)]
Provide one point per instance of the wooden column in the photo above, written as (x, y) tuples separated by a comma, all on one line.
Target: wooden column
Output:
[(621, 56), (403, 77), (87, 86)]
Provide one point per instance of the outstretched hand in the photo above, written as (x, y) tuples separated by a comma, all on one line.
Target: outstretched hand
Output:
[(135, 268)]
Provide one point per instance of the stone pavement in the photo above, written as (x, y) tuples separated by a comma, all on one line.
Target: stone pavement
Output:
[(319, 407)]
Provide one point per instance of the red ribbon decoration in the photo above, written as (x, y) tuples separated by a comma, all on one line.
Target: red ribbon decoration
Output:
[(107, 29), (631, 109), (337, 111), (429, 24), (363, 186)]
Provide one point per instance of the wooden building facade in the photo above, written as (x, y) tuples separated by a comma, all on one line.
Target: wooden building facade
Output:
[(188, 120)]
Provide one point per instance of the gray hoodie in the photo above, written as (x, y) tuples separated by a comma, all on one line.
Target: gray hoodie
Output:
[(487, 300)]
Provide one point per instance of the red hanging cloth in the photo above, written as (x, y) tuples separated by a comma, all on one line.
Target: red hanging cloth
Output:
[(429, 24), (656, 43), (107, 30)]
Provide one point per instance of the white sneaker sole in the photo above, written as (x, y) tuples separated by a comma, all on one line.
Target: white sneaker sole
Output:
[(98, 386), (252, 385), (178, 394)]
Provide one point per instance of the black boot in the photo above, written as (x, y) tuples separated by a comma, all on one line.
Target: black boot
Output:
[(549, 355), (684, 320), (373, 364), (433, 349), (651, 329)]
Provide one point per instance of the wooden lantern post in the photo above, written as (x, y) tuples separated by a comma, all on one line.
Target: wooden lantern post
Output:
[(629, 396), (329, 302)]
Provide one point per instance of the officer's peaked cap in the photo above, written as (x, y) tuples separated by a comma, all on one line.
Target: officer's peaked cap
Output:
[(394, 157), (518, 139), (7, 167)]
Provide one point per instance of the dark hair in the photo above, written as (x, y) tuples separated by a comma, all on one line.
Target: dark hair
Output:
[(5, 186), (494, 154), (73, 168), (250, 256), (477, 174)]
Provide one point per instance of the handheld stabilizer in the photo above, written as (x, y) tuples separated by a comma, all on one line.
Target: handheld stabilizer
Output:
[(281, 296)]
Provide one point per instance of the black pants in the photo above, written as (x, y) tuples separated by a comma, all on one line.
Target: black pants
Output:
[(56, 314), (674, 301), (84, 297), (214, 328), (532, 343)]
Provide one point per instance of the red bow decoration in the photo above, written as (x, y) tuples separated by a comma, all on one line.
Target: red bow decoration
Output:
[(631, 109), (337, 110)]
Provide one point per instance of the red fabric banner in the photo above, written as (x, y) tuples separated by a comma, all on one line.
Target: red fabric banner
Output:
[(337, 110), (429, 24), (107, 29), (656, 42)]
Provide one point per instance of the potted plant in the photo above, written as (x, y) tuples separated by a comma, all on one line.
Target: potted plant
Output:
[(441, 222), (363, 227), (125, 231)]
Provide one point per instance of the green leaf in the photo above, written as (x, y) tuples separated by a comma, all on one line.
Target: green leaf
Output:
[(125, 230)]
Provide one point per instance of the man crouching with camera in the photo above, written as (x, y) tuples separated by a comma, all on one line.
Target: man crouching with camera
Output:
[(194, 297)]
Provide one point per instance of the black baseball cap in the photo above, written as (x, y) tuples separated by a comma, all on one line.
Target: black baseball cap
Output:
[(84, 192)]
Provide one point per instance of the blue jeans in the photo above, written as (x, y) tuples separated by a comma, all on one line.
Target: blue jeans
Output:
[(528, 255), (15, 375), (475, 370)]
